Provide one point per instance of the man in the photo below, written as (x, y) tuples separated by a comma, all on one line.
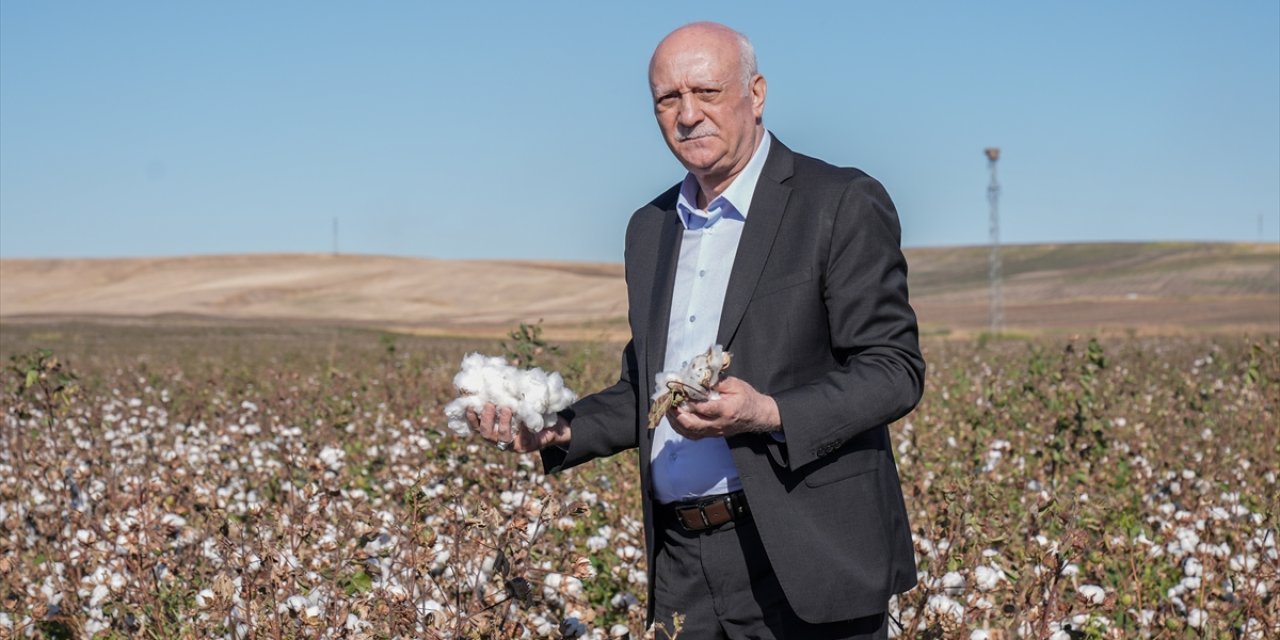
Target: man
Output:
[(774, 510)]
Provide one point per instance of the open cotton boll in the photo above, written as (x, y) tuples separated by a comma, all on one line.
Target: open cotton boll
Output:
[(694, 381), (456, 413), (533, 395), (660, 383), (554, 388)]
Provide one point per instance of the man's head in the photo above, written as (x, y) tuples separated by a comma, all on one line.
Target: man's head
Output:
[(709, 99)]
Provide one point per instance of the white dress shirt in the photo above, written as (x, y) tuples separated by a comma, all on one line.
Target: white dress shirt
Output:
[(684, 469)]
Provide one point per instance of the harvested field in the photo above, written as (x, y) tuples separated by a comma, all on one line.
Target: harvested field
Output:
[(1122, 288)]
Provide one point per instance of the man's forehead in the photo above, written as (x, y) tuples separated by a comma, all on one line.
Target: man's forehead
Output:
[(701, 66)]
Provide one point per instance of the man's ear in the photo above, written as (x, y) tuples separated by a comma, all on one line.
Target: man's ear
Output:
[(758, 90)]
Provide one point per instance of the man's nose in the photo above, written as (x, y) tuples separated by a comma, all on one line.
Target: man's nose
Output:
[(690, 112)]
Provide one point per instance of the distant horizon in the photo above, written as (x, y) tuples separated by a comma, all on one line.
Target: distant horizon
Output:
[(526, 131)]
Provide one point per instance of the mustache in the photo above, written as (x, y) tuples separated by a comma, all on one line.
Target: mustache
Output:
[(703, 130)]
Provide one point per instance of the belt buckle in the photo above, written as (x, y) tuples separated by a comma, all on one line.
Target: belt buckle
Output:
[(730, 507), (682, 513), (701, 506), (702, 510)]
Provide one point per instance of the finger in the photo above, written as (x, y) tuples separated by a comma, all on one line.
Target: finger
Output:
[(691, 435), (489, 423), (528, 441), (673, 416), (506, 426), (486, 416), (473, 419), (709, 409), (688, 425), (524, 441)]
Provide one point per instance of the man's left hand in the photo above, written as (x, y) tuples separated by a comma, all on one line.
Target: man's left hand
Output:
[(739, 409)]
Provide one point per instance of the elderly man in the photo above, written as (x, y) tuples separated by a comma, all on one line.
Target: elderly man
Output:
[(773, 510)]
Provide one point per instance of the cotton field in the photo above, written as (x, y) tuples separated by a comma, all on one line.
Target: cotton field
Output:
[(271, 483)]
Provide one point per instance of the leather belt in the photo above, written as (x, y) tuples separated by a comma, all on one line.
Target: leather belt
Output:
[(705, 513)]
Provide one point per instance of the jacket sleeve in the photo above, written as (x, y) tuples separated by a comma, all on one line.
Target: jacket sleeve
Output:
[(879, 375), (602, 423)]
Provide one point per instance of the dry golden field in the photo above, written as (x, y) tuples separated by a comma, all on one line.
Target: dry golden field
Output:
[(1118, 287)]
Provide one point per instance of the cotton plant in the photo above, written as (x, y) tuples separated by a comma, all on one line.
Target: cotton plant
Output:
[(696, 381), (533, 395)]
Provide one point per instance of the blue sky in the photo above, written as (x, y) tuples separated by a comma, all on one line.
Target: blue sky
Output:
[(524, 129)]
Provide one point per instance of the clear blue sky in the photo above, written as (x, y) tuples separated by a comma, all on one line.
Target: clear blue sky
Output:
[(524, 129)]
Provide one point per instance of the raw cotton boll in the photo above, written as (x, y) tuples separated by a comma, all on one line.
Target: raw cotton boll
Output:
[(471, 376), (554, 388), (661, 384), (694, 381), (953, 583), (533, 396), (987, 578), (1092, 593), (456, 412), (706, 367)]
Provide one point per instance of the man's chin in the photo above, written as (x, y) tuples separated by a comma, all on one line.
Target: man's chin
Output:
[(699, 161)]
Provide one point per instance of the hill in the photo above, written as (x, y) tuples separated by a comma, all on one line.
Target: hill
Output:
[(1103, 286), (1113, 286)]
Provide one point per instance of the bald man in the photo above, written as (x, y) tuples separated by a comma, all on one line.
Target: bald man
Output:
[(775, 509)]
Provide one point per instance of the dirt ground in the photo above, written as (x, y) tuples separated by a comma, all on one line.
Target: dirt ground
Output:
[(1109, 287)]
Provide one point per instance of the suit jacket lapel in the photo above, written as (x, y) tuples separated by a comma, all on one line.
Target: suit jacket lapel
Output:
[(767, 207), (669, 240)]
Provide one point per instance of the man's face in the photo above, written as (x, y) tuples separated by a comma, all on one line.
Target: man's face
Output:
[(709, 118)]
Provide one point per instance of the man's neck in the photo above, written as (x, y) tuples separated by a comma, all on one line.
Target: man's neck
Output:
[(708, 193), (711, 186)]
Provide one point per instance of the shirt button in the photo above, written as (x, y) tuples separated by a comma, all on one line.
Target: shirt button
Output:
[(702, 273), (693, 318)]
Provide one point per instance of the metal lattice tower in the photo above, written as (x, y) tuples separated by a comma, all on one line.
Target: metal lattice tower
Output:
[(993, 263)]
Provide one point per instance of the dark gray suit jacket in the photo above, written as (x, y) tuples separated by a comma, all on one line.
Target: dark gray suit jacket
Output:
[(816, 315)]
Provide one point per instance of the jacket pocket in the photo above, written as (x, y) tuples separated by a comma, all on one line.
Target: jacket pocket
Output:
[(843, 466), (774, 285)]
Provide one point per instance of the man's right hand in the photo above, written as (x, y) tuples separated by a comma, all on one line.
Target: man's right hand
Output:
[(497, 426)]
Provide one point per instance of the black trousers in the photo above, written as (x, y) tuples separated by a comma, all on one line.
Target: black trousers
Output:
[(718, 584)]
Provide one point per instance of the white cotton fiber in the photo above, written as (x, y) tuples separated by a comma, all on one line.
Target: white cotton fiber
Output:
[(697, 381), (660, 383), (698, 377), (533, 395)]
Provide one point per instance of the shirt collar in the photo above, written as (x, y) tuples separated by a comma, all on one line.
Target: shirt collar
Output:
[(734, 203)]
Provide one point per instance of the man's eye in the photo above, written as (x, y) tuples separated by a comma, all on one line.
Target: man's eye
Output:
[(708, 93)]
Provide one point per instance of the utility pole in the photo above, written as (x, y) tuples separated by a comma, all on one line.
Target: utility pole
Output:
[(993, 262)]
